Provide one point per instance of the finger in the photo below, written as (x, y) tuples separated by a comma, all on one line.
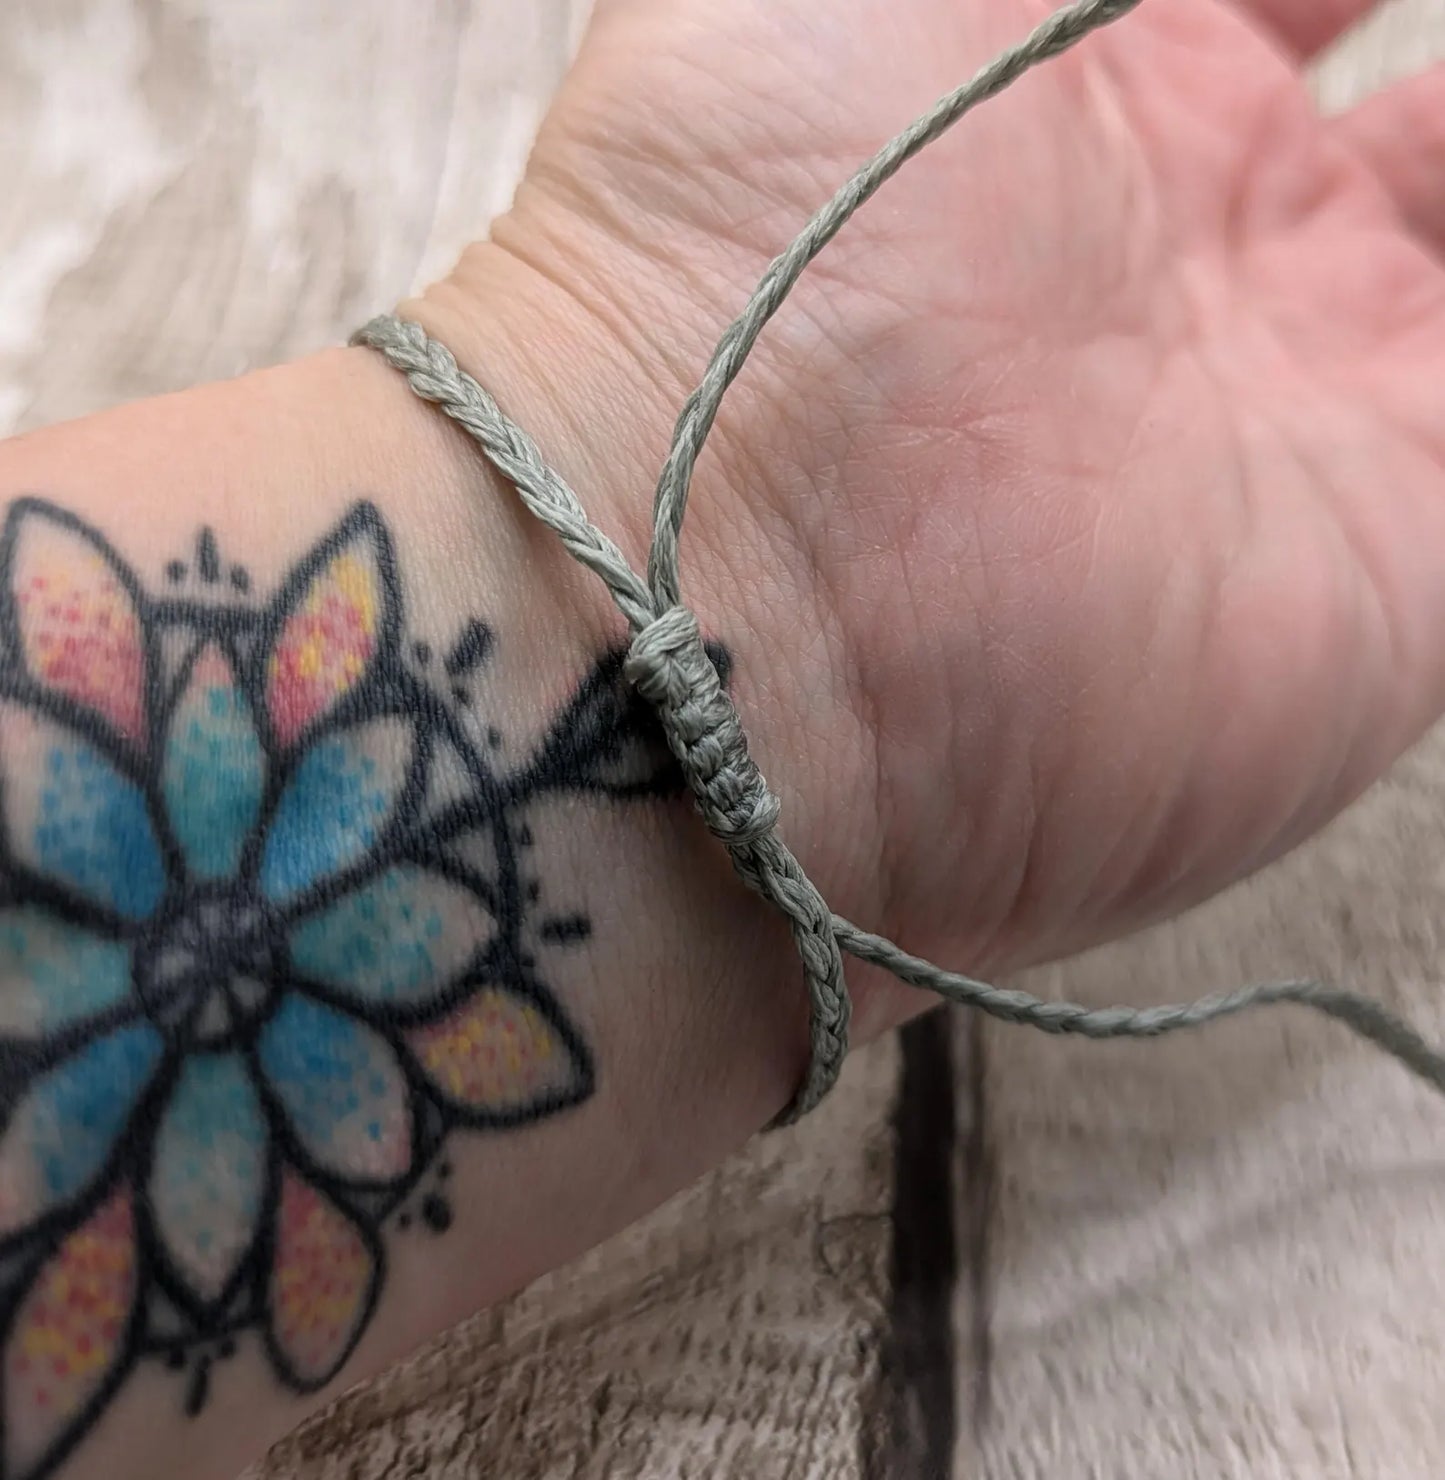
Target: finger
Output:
[(1306, 27), (1400, 134)]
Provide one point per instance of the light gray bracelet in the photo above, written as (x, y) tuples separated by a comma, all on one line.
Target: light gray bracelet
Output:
[(669, 665)]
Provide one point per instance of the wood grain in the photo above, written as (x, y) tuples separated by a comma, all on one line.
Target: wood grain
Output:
[(1220, 1258)]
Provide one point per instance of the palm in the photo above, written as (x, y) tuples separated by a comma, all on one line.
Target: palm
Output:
[(1114, 431)]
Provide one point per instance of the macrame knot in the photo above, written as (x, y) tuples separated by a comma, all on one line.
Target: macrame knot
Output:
[(670, 668)]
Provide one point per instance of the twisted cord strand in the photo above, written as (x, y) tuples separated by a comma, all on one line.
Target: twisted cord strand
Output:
[(1056, 34), (669, 665), (1365, 1016)]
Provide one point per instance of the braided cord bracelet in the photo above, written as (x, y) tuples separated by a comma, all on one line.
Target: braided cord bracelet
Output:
[(669, 665)]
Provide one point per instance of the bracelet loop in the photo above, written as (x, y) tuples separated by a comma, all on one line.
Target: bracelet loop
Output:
[(670, 666)]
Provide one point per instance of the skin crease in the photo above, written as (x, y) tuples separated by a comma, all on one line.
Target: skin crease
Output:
[(1091, 487)]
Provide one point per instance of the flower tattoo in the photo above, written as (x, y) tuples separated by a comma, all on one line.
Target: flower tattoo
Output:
[(266, 941)]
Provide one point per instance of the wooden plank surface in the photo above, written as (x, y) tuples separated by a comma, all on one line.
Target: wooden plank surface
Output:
[(1217, 1258)]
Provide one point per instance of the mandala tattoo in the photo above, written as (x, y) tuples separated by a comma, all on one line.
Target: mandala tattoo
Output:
[(267, 939)]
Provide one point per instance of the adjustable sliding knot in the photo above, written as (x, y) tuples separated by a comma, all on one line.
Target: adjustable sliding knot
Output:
[(669, 666)]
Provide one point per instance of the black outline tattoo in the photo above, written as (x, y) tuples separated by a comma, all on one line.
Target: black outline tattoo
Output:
[(603, 743)]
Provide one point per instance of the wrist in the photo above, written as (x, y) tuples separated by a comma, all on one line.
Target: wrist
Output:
[(671, 994), (602, 418)]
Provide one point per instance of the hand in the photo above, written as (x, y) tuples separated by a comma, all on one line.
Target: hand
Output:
[(1078, 525)]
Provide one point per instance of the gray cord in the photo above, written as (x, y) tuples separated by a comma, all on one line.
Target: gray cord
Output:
[(669, 666)]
